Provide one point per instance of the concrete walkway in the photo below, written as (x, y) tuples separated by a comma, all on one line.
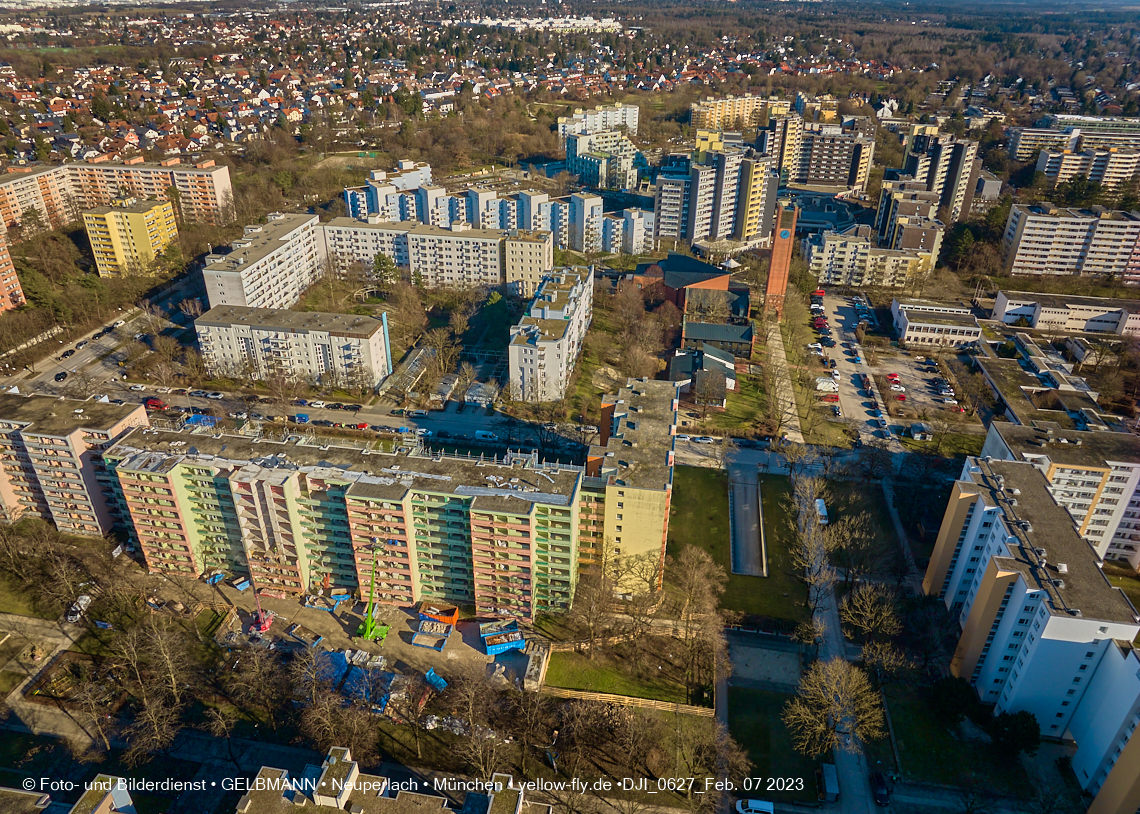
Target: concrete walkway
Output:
[(854, 791), (784, 392)]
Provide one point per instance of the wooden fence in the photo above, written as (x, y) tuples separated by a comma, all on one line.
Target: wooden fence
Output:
[(629, 701)]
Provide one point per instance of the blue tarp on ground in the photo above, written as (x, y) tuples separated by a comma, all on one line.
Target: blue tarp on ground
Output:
[(201, 420), (435, 680), (368, 684)]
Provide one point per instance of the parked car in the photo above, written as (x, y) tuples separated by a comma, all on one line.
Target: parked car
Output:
[(681, 437), (78, 608), (198, 394), (754, 807), (949, 401), (704, 439), (215, 395), (835, 374), (422, 433), (830, 397), (838, 411), (317, 404), (82, 345), (137, 388), (898, 388), (879, 789), (154, 404)]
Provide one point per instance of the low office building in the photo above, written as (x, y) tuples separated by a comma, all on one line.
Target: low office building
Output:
[(1093, 475), (50, 459), (923, 323), (128, 236), (1042, 239), (504, 536), (1036, 612), (342, 350), (547, 340), (1063, 313), (270, 266), (851, 258)]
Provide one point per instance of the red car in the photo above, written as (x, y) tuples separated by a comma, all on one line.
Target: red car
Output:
[(154, 404), (900, 397), (830, 397)]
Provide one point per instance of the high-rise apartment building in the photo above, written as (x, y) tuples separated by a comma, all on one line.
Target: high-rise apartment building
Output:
[(528, 256), (51, 463), (735, 111), (637, 231), (1093, 475), (128, 236), (817, 154), (344, 350), (270, 266), (730, 196), (603, 117), (585, 222), (507, 537), (603, 159), (1110, 168), (946, 165), (903, 198), (547, 340), (456, 255), (387, 193), (1036, 612), (1042, 239), (11, 292), (60, 194)]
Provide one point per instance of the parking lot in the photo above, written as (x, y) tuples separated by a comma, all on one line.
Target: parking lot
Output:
[(857, 405)]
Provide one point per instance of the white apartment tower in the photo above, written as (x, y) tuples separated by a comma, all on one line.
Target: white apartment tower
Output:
[(270, 266), (547, 340), (327, 349)]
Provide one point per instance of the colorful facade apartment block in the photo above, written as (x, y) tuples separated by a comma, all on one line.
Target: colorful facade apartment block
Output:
[(51, 463), (506, 537)]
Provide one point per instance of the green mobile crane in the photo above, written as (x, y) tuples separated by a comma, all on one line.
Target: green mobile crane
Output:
[(370, 629)]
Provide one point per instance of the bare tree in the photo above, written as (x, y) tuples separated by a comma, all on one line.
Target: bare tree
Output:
[(835, 708), (155, 726), (870, 609), (466, 378), (483, 751), (191, 307), (885, 663), (530, 716), (167, 348), (409, 705)]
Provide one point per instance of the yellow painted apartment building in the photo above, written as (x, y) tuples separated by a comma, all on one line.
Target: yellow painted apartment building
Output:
[(127, 236)]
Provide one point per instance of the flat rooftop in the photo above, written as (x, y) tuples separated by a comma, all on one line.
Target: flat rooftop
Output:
[(89, 166), (554, 293), (1069, 447), (1059, 301), (258, 242), (136, 208), (14, 801), (1090, 213), (638, 451), (282, 319), (514, 487), (934, 318), (1083, 586), (55, 416)]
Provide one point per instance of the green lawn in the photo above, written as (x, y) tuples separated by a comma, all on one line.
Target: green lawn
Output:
[(16, 598), (699, 516), (930, 754), (852, 497), (825, 431), (754, 722), (9, 680), (954, 444), (574, 671), (745, 408)]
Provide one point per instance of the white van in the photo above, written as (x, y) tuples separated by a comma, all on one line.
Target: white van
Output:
[(821, 510), (484, 435), (754, 807)]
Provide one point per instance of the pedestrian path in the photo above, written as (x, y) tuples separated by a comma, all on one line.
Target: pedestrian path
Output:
[(784, 392)]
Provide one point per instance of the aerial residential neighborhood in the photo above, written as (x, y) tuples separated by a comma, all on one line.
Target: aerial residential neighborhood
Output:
[(623, 409)]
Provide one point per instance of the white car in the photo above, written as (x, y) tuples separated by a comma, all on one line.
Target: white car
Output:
[(704, 439), (78, 608), (815, 352), (119, 324), (754, 807), (316, 404), (216, 396), (422, 433), (949, 401), (816, 346), (138, 388), (238, 415), (683, 438), (835, 375), (898, 388)]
